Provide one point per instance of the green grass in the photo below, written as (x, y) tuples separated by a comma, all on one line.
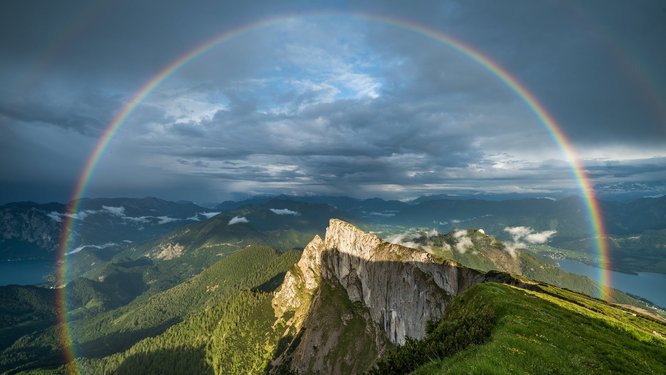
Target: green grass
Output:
[(353, 336), (228, 329), (235, 336), (555, 331), (335, 336), (116, 331)]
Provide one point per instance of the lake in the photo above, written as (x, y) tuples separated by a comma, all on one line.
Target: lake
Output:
[(25, 272), (651, 286)]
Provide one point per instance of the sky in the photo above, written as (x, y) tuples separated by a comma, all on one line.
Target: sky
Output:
[(325, 98)]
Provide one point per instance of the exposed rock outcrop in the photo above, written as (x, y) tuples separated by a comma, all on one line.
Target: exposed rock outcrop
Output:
[(300, 284), (168, 251), (394, 290)]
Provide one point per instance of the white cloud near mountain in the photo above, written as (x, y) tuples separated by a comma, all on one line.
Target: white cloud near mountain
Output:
[(284, 211), (463, 241), (522, 236), (208, 215), (238, 220), (118, 211)]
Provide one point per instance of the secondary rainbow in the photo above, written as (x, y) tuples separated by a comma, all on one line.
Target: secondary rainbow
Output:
[(548, 122)]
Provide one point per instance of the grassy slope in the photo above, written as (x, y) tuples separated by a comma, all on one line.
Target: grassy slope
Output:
[(229, 325), (245, 269), (556, 331), (117, 330)]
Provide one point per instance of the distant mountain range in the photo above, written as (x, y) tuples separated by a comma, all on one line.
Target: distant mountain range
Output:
[(30, 230), (567, 215), (273, 284)]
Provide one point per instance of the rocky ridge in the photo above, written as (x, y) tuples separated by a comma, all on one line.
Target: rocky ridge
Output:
[(394, 290)]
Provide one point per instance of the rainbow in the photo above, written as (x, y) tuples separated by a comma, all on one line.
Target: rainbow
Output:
[(501, 74)]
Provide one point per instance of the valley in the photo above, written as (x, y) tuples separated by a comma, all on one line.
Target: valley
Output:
[(215, 187), (197, 297)]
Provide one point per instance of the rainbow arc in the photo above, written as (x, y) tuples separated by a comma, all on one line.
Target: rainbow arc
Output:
[(502, 75)]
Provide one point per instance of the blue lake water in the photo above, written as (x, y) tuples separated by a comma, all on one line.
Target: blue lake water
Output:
[(651, 286), (26, 272)]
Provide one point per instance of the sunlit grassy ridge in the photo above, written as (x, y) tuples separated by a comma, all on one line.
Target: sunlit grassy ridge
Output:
[(537, 332)]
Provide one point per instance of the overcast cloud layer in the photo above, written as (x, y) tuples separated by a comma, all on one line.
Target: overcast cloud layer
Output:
[(322, 102)]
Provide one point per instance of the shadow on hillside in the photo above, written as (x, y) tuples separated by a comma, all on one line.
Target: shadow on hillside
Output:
[(400, 287), (119, 341), (271, 285), (163, 362), (29, 357)]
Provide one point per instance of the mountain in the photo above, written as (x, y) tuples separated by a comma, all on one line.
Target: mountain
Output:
[(32, 231), (383, 293), (27, 231), (634, 229), (187, 250), (158, 327), (360, 208), (354, 301), (568, 215), (348, 303), (475, 249)]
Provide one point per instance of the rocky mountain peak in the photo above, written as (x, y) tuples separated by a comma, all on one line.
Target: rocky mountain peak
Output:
[(397, 291)]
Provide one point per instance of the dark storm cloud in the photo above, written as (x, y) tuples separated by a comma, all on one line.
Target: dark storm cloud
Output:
[(595, 66), (325, 105), (646, 169), (91, 112)]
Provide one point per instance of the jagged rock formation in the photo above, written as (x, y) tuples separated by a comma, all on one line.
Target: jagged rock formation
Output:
[(390, 291), (168, 251), (300, 284)]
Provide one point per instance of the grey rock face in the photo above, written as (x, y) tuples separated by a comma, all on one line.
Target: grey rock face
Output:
[(301, 283), (396, 289), (402, 288)]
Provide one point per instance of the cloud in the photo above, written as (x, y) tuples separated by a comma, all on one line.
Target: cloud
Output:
[(56, 216), (381, 214), (208, 215), (284, 211), (238, 220), (518, 232), (139, 219), (540, 238), (118, 211), (103, 246), (523, 236), (527, 234), (373, 110), (166, 219), (409, 238), (463, 241), (80, 215), (463, 244)]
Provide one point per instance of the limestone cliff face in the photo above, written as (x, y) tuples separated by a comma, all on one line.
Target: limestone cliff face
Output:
[(300, 283), (402, 288), (392, 289)]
